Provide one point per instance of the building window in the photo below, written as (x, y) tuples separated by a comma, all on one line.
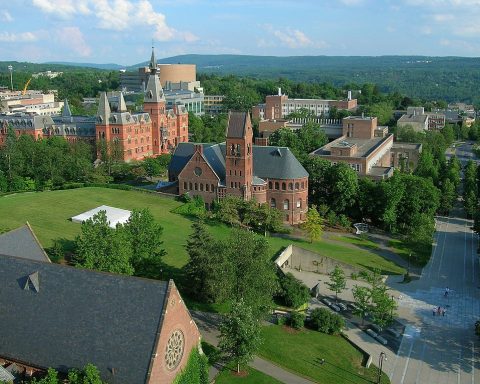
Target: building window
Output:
[(196, 187), (184, 185), (290, 186), (212, 189), (299, 203), (284, 186), (190, 186), (297, 185), (269, 185), (201, 187), (276, 185), (286, 205), (207, 187), (273, 203), (303, 185)]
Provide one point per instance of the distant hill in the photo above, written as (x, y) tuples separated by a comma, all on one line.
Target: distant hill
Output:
[(426, 77), (110, 66)]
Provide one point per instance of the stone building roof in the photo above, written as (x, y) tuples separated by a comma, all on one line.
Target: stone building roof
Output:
[(22, 242), (268, 162), (64, 317), (236, 124)]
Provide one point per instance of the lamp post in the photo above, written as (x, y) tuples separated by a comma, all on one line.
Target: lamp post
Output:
[(381, 358), (10, 68)]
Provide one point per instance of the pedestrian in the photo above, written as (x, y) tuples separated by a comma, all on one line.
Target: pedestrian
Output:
[(439, 310), (443, 311), (447, 290)]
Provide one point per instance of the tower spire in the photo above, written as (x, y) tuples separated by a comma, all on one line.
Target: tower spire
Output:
[(153, 61)]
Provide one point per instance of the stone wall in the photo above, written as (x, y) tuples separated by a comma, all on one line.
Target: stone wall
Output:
[(304, 260)]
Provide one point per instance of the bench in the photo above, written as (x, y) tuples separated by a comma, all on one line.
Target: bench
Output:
[(393, 332), (381, 340), (371, 333)]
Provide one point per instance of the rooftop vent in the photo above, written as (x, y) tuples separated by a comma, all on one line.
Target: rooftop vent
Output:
[(32, 283)]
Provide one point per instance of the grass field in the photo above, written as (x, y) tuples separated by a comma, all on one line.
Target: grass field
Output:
[(420, 254), (301, 352), (49, 213), (253, 377)]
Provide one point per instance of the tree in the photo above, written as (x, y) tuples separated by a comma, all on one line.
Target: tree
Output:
[(448, 196), (240, 334), (152, 167), (294, 292), (227, 210), (88, 375), (361, 296), (343, 182), (103, 248), (337, 281), (470, 203), (50, 378), (252, 273), (144, 235), (382, 305), (313, 225), (199, 269)]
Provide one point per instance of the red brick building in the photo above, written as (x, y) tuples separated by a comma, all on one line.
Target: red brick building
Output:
[(134, 330), (134, 136), (271, 175)]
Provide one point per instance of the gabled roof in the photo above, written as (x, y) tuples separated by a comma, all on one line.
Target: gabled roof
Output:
[(22, 242), (236, 126), (154, 90), (78, 316), (66, 112), (103, 113), (268, 162)]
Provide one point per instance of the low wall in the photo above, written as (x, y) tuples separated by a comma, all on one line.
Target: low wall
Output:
[(304, 260)]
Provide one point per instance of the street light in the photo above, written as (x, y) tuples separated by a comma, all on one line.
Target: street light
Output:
[(381, 358), (10, 68)]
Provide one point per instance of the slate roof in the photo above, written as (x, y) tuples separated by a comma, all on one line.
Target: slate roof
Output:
[(79, 316), (268, 162), (22, 242), (236, 124), (5, 375), (154, 90)]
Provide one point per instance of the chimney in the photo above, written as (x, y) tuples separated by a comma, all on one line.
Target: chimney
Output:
[(279, 91)]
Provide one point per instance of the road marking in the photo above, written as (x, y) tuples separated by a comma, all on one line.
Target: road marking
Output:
[(465, 254), (473, 362), (408, 361), (421, 361)]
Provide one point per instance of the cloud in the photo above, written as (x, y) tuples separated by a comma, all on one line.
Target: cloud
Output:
[(5, 16), (292, 38), (8, 37), (117, 15), (73, 38), (63, 8)]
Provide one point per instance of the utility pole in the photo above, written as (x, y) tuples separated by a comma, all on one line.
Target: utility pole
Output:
[(10, 68)]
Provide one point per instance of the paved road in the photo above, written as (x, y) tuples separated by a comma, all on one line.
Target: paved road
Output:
[(439, 349)]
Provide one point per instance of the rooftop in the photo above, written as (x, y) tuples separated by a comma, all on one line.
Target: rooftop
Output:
[(364, 146)]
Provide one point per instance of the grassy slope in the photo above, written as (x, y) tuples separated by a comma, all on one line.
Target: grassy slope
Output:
[(254, 377), (301, 352), (48, 213)]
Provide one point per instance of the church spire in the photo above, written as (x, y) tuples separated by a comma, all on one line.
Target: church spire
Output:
[(153, 62)]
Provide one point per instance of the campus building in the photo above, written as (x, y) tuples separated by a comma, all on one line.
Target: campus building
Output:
[(421, 121), (271, 175), (133, 136), (134, 330), (280, 106), (31, 102), (364, 146)]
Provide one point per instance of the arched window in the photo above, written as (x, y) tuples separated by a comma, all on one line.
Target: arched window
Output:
[(303, 185), (269, 185), (290, 186), (185, 185), (297, 185), (239, 150), (276, 185), (201, 187), (207, 187), (299, 203), (284, 186), (196, 187), (286, 205), (273, 203)]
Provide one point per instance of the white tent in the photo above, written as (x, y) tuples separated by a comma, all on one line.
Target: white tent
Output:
[(114, 215)]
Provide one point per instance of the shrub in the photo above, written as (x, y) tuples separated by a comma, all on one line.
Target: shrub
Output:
[(331, 218), (294, 292), (296, 320), (281, 320), (196, 370), (343, 221), (323, 320)]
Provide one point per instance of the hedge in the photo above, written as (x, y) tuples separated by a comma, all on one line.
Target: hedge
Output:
[(196, 370)]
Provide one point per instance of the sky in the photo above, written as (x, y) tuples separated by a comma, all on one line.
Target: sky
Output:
[(122, 31)]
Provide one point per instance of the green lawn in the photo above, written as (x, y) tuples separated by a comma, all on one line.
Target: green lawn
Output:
[(361, 242), (253, 377), (420, 253), (49, 213), (301, 352)]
